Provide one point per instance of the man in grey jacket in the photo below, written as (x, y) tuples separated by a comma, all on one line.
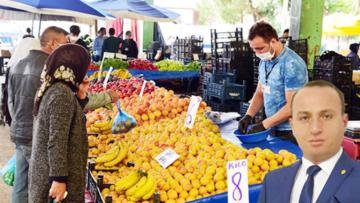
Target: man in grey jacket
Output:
[(24, 80)]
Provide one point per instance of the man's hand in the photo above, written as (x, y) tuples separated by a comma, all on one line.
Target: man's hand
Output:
[(57, 191), (114, 96), (256, 128), (83, 88), (244, 123)]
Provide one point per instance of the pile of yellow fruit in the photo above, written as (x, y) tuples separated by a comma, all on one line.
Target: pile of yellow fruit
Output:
[(119, 73), (201, 169)]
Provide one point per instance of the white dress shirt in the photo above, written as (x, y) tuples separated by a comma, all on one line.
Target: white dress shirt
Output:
[(319, 179)]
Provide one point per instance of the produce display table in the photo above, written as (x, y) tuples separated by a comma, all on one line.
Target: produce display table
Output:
[(273, 143), (158, 75)]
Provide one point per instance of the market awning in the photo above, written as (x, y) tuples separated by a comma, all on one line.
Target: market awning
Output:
[(137, 9), (70, 8)]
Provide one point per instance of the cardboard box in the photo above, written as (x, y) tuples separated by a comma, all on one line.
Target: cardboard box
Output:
[(5, 53)]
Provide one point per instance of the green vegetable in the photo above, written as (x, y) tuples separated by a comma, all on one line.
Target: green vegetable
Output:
[(115, 63)]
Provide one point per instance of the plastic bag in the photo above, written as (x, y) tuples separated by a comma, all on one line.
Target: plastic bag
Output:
[(123, 122), (8, 171)]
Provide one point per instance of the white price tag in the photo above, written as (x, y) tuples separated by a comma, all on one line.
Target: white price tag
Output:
[(107, 77), (192, 110), (105, 55), (121, 56), (196, 57), (237, 179), (142, 90), (167, 157)]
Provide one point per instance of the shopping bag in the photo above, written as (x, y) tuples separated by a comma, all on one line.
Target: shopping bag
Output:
[(123, 122), (8, 171)]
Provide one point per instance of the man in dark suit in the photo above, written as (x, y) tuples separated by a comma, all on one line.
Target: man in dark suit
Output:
[(325, 174)]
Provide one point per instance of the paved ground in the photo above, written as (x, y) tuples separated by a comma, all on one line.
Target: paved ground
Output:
[(7, 149)]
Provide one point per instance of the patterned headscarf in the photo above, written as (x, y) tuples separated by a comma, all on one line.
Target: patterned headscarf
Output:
[(67, 64)]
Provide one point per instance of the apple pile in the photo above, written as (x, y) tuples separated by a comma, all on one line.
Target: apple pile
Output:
[(140, 64), (125, 87), (93, 66)]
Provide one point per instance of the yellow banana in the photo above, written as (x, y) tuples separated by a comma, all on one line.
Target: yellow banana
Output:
[(110, 155), (150, 193), (106, 127), (138, 185), (101, 124), (94, 129), (150, 182), (128, 181), (122, 154)]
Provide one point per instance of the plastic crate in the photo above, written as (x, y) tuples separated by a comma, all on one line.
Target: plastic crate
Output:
[(93, 188), (227, 106), (227, 91)]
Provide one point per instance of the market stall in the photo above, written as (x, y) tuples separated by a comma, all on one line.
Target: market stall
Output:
[(198, 174)]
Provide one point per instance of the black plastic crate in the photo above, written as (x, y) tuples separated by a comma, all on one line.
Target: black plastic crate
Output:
[(227, 106), (92, 187), (354, 113), (227, 91)]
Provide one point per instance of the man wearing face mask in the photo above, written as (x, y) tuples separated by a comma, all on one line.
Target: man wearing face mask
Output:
[(281, 73)]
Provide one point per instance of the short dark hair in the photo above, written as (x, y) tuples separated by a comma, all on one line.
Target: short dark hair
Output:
[(47, 35), (111, 31), (354, 47), (128, 33), (322, 83), (28, 30), (75, 30), (264, 30), (286, 30), (102, 29)]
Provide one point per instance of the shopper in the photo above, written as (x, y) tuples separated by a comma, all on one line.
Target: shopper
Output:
[(129, 46), (98, 43), (281, 73), (355, 63), (111, 44), (23, 49), (28, 33), (74, 37), (319, 122), (24, 80), (59, 152)]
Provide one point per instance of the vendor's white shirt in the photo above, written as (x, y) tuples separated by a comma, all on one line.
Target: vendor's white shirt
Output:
[(319, 180)]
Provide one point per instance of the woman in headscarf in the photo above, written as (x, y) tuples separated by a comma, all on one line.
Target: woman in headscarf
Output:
[(60, 146)]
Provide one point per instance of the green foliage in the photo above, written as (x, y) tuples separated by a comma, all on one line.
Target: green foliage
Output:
[(115, 63), (342, 6)]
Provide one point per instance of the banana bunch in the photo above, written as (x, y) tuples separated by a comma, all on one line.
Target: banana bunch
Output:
[(95, 75), (121, 73), (137, 186), (103, 127), (109, 156), (123, 151)]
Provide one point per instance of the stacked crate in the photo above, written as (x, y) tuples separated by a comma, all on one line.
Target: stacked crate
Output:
[(336, 69), (184, 49), (222, 93)]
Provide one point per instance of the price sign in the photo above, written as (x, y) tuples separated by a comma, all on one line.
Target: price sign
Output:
[(142, 90), (107, 77), (192, 110), (108, 55), (121, 56), (237, 179), (196, 57), (167, 157)]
